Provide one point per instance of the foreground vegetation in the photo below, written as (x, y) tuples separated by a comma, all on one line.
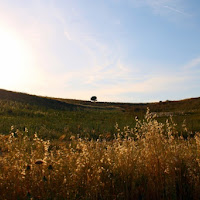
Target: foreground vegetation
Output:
[(150, 161)]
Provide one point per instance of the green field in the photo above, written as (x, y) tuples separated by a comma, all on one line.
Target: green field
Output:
[(50, 118)]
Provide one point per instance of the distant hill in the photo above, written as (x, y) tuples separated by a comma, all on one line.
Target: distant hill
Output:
[(34, 100), (192, 104), (185, 105), (48, 102)]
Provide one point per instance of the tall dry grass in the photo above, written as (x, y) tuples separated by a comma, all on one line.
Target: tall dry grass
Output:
[(150, 161)]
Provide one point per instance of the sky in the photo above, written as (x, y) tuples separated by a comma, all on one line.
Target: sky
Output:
[(117, 50)]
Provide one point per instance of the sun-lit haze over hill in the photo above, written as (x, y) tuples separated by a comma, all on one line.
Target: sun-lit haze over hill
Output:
[(118, 50)]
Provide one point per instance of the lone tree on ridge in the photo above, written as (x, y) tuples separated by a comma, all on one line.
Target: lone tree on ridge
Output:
[(93, 99)]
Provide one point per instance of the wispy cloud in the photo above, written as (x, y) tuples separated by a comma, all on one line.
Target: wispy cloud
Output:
[(110, 74), (163, 6), (175, 10), (193, 63), (104, 64)]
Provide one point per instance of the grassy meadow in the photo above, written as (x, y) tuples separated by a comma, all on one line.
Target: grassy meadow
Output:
[(50, 118), (70, 149)]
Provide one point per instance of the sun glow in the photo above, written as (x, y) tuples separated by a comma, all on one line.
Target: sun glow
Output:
[(15, 60)]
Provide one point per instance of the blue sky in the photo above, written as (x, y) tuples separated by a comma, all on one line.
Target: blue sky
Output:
[(118, 50)]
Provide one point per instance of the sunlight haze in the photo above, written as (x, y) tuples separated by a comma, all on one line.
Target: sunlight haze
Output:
[(15, 61)]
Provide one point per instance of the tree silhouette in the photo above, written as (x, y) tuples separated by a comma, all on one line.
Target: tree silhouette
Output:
[(93, 99)]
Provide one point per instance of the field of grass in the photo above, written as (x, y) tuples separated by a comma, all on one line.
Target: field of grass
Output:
[(50, 118), (70, 149), (149, 161)]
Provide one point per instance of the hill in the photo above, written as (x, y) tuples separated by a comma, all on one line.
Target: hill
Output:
[(53, 117)]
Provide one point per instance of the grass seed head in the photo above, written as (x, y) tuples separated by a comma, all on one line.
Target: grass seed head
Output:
[(39, 161)]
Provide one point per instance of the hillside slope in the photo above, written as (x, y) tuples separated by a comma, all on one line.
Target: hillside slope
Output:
[(53, 117), (35, 100), (192, 104)]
